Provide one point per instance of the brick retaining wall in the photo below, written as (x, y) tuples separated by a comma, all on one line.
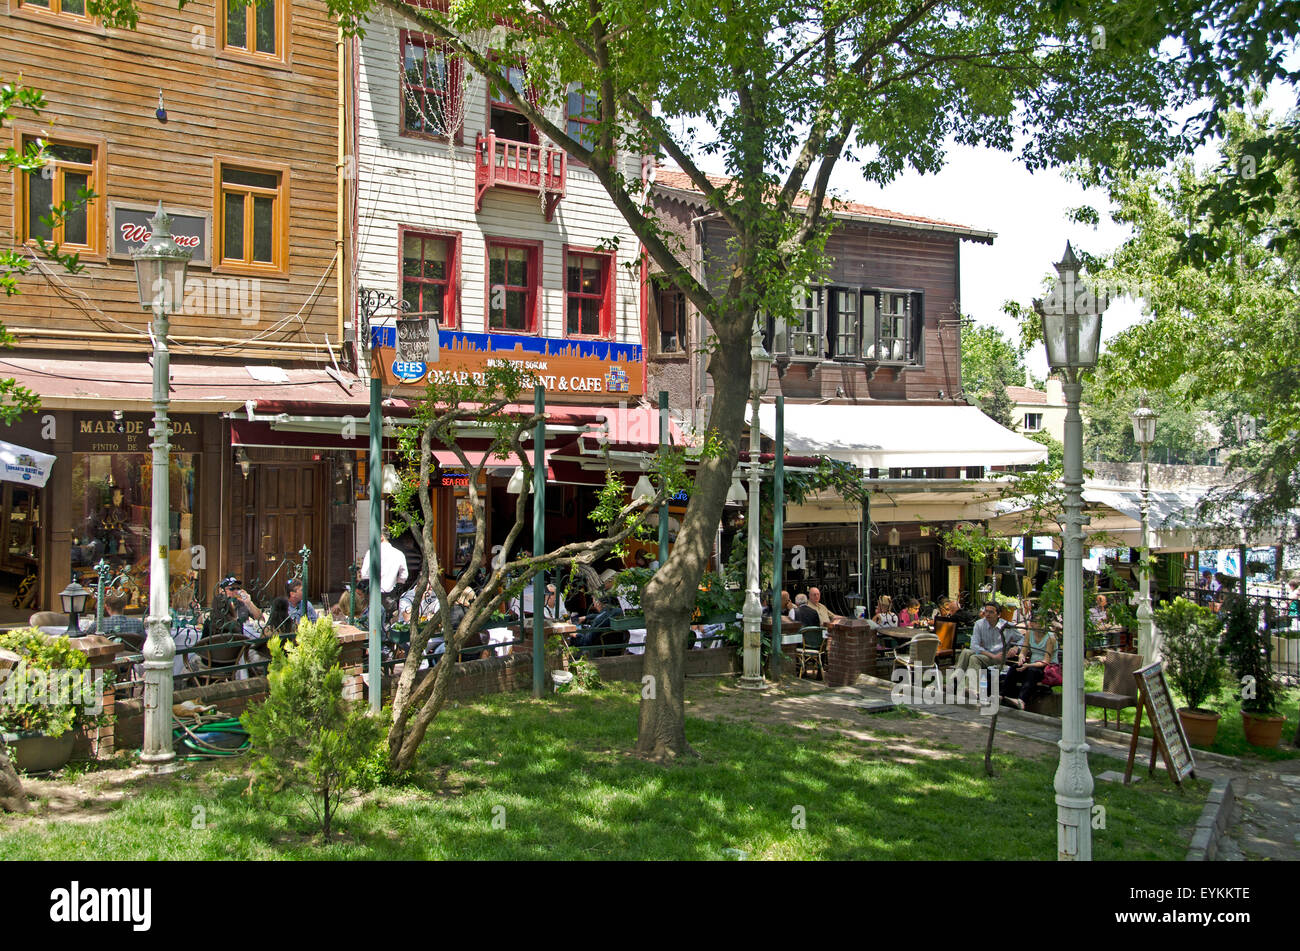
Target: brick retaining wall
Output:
[(475, 678)]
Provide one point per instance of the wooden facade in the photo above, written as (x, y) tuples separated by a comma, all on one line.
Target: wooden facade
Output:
[(920, 262), (419, 184), (233, 123), (256, 112)]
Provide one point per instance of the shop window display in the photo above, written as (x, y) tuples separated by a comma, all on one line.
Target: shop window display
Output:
[(112, 495)]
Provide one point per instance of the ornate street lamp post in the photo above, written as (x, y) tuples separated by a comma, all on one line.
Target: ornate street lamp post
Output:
[(160, 276), (752, 676), (1072, 334), (1144, 434)]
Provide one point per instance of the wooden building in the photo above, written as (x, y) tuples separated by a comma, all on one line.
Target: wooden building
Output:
[(871, 374), (231, 117)]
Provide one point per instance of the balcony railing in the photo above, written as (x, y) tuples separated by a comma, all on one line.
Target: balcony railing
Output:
[(522, 165)]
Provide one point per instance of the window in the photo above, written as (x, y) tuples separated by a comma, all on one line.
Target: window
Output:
[(588, 294), (251, 225), (431, 87), (806, 339), (256, 28), (843, 326), (69, 8), (1033, 422), (503, 118), (893, 326), (583, 115), (512, 286), (671, 304), (430, 277), (72, 173)]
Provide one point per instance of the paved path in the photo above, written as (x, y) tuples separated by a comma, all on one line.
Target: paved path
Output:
[(1265, 826)]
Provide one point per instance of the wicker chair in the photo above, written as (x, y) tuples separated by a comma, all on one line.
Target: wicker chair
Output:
[(48, 619), (1118, 687), (813, 650)]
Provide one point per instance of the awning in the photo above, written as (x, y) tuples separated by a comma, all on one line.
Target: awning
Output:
[(262, 433), (24, 466), (197, 386), (901, 437)]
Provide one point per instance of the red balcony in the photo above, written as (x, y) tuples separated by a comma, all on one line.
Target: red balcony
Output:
[(510, 164)]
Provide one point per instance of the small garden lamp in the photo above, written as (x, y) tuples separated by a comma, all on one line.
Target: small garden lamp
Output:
[(74, 603)]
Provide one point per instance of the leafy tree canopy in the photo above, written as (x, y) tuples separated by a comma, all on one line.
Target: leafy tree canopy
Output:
[(990, 362)]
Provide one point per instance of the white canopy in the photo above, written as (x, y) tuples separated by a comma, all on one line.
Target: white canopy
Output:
[(900, 437), (24, 465)]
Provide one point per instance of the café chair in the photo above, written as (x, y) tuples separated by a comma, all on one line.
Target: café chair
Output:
[(1118, 685), (813, 650), (918, 653)]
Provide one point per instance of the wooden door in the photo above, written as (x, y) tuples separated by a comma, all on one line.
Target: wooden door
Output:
[(287, 515)]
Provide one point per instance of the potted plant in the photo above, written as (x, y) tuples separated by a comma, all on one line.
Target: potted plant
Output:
[(1195, 666), (44, 698), (1248, 651)]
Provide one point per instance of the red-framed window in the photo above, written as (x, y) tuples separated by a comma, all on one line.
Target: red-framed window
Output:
[(513, 281), (431, 275), (588, 293), (503, 118), (430, 88), (583, 115)]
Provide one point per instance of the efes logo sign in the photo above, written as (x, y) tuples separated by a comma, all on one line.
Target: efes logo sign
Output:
[(568, 367)]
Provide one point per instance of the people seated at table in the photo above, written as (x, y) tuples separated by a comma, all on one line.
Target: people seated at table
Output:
[(1024, 615), (280, 621), (885, 616), (823, 612), (117, 625), (910, 614), (804, 613), (340, 612), (1098, 612), (244, 607), (224, 617), (787, 605), (429, 604), (991, 642), (1024, 675), (299, 606)]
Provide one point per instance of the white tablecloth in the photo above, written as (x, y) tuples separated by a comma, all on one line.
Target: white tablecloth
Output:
[(636, 636)]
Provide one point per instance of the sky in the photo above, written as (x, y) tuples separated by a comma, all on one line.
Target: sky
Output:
[(990, 190)]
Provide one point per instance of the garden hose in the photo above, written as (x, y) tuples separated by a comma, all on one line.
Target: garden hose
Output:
[(198, 747)]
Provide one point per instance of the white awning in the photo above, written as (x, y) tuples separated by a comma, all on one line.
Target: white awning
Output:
[(24, 466), (900, 437)]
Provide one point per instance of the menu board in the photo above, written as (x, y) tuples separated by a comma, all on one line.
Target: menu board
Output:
[(1166, 727)]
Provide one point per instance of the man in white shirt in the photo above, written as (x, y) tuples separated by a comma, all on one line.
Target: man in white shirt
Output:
[(392, 571)]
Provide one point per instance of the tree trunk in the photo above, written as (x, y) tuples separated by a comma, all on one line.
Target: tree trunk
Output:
[(12, 797), (669, 597)]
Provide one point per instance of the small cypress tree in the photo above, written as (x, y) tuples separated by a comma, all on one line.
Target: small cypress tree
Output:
[(306, 737)]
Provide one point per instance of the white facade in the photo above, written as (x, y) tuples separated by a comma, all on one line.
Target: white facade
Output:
[(418, 183)]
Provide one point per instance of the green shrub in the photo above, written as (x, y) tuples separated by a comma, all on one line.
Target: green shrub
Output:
[(34, 701), (1191, 649), (307, 738), (1247, 651)]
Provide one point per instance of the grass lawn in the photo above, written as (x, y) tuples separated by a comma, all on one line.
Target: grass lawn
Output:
[(558, 779), (1231, 739)]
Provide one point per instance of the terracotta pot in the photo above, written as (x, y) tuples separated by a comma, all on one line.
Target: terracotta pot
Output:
[(37, 753), (1201, 726), (1263, 731)]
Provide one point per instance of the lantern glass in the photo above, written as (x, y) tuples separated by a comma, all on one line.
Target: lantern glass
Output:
[(1144, 426), (160, 268), (643, 490), (74, 598), (736, 494), (1058, 358), (1089, 340)]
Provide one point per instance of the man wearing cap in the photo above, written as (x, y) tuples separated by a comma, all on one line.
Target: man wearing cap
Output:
[(244, 606)]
